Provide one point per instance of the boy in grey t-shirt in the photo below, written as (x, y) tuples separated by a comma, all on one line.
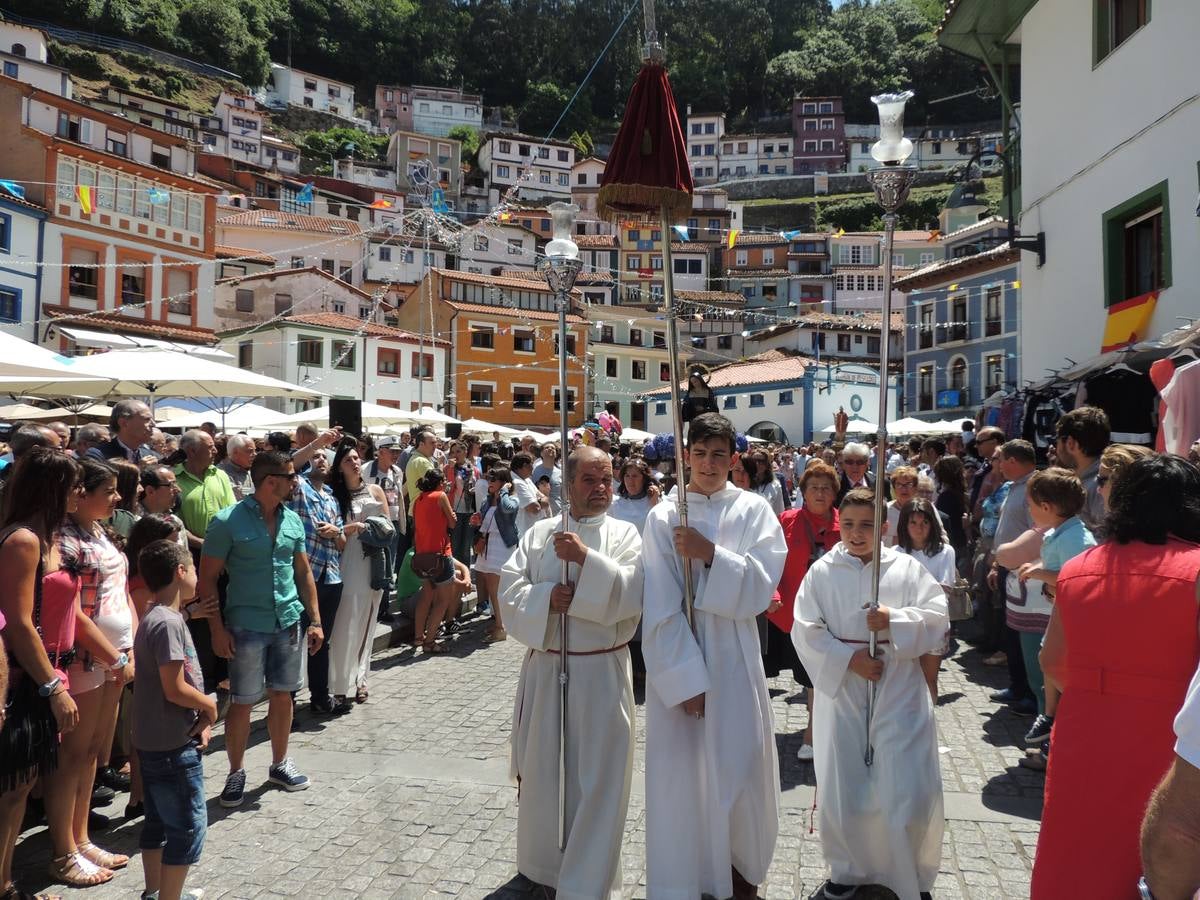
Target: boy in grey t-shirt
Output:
[(172, 720)]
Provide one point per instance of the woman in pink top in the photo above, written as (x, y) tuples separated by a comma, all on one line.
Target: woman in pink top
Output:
[(38, 595), (105, 626)]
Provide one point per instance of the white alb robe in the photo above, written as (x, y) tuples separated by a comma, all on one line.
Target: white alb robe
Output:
[(600, 707), (881, 824), (712, 784)]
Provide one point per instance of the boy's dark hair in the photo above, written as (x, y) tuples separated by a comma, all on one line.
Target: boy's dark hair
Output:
[(520, 461), (709, 426), (159, 561), (1020, 450), (1089, 426), (937, 445), (1060, 488), (860, 496)]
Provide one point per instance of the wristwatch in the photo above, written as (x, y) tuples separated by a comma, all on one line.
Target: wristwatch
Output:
[(45, 690), (122, 662)]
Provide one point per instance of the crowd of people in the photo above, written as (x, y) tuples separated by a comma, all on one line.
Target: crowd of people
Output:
[(157, 585)]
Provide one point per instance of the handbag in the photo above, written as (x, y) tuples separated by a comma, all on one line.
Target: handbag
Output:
[(958, 601), (427, 565)]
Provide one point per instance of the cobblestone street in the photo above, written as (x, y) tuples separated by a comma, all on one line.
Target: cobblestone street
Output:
[(410, 795)]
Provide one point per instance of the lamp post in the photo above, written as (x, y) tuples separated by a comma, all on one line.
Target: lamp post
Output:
[(891, 182), (560, 268)]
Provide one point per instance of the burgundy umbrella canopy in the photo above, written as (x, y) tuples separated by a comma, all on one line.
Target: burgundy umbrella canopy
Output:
[(647, 170)]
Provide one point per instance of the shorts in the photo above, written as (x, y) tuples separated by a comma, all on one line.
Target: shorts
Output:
[(82, 679), (176, 814), (264, 661), (445, 572)]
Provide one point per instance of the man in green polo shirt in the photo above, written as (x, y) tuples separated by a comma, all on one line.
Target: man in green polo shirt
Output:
[(260, 543), (205, 490)]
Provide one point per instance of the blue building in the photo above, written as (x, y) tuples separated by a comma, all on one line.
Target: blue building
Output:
[(962, 316)]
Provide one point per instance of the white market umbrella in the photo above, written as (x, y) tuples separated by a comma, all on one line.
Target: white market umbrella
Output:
[(751, 439), (25, 412), (908, 425), (536, 435), (165, 373), (248, 416), (478, 426), (635, 434), (374, 415), (25, 368), (427, 415), (857, 425)]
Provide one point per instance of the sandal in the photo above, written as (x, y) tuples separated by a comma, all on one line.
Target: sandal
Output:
[(435, 647), (361, 695), (102, 858), (14, 893), (76, 870), (493, 637)]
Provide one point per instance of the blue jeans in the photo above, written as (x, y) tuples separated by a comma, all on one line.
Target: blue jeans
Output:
[(271, 660), (176, 815)]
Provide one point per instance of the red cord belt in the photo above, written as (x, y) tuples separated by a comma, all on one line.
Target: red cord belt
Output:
[(589, 652)]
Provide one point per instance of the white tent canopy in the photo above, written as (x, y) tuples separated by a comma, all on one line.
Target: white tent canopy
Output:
[(857, 425), (485, 429), (164, 373), (909, 425), (635, 434), (427, 415), (374, 415), (249, 416), (25, 368), (25, 412)]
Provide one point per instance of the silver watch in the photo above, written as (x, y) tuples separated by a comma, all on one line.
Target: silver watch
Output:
[(122, 662), (45, 690)]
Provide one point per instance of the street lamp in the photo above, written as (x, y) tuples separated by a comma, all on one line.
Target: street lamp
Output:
[(891, 181), (560, 268)]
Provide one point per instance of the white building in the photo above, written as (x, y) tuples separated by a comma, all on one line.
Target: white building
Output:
[(22, 226), (337, 246), (934, 146), (506, 159), (746, 155), (786, 398), (24, 56), (491, 248), (704, 134), (1115, 192), (627, 359), (343, 357), (292, 87)]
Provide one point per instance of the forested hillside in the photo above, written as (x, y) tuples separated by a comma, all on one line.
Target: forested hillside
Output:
[(745, 57)]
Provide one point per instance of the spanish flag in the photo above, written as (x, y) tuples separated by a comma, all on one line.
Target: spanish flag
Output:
[(380, 204), (733, 233), (841, 232), (1127, 321), (84, 193)]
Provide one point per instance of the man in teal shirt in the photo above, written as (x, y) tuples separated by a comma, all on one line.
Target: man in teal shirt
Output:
[(260, 543)]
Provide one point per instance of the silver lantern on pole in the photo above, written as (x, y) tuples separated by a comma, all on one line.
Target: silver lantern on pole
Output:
[(891, 181), (560, 268)]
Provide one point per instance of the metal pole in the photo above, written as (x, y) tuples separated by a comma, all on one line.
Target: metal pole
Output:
[(564, 298), (677, 411), (421, 317), (885, 350)]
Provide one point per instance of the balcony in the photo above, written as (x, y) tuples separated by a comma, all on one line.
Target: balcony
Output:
[(924, 402), (957, 332), (992, 327)]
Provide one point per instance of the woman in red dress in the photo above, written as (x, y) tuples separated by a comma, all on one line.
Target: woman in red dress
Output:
[(1123, 643), (809, 532)]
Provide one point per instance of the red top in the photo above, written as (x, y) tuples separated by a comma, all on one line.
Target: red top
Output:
[(432, 527), (798, 525), (1129, 617), (60, 599)]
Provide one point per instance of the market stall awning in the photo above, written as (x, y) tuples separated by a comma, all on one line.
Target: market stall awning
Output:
[(982, 29)]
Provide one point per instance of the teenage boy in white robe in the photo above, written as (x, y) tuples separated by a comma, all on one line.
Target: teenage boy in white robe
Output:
[(712, 776), (603, 602), (879, 824)]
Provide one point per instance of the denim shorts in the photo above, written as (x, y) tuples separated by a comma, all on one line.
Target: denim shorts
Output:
[(445, 572), (265, 661), (176, 815)]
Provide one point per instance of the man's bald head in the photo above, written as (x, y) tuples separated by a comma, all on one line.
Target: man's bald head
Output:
[(589, 477)]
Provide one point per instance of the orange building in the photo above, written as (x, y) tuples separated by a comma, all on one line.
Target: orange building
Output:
[(503, 335)]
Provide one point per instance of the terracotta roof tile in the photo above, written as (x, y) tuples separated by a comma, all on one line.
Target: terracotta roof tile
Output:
[(766, 368), (757, 273), (118, 322), (286, 221), (758, 240), (351, 324), (1002, 255), (493, 280), (508, 312), (241, 253), (595, 241), (710, 297), (690, 247), (290, 273), (591, 278)]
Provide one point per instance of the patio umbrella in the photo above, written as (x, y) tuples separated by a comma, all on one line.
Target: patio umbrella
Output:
[(165, 373), (478, 426), (249, 415), (908, 425), (25, 367), (635, 434), (857, 425), (648, 172), (427, 415), (374, 415), (28, 413)]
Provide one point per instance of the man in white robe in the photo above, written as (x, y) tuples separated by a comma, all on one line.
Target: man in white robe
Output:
[(603, 603), (879, 824), (712, 775)]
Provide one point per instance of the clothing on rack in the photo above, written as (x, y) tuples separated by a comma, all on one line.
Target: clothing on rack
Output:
[(1181, 424), (1129, 399)]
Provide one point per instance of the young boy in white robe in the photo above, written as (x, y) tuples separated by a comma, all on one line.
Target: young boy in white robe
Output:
[(712, 776), (879, 824)]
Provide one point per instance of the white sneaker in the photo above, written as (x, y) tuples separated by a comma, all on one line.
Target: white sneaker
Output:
[(805, 753)]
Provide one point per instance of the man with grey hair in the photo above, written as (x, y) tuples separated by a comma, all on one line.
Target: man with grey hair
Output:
[(205, 489), (88, 440), (63, 430), (131, 425), (856, 470), (603, 598), (239, 456)]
